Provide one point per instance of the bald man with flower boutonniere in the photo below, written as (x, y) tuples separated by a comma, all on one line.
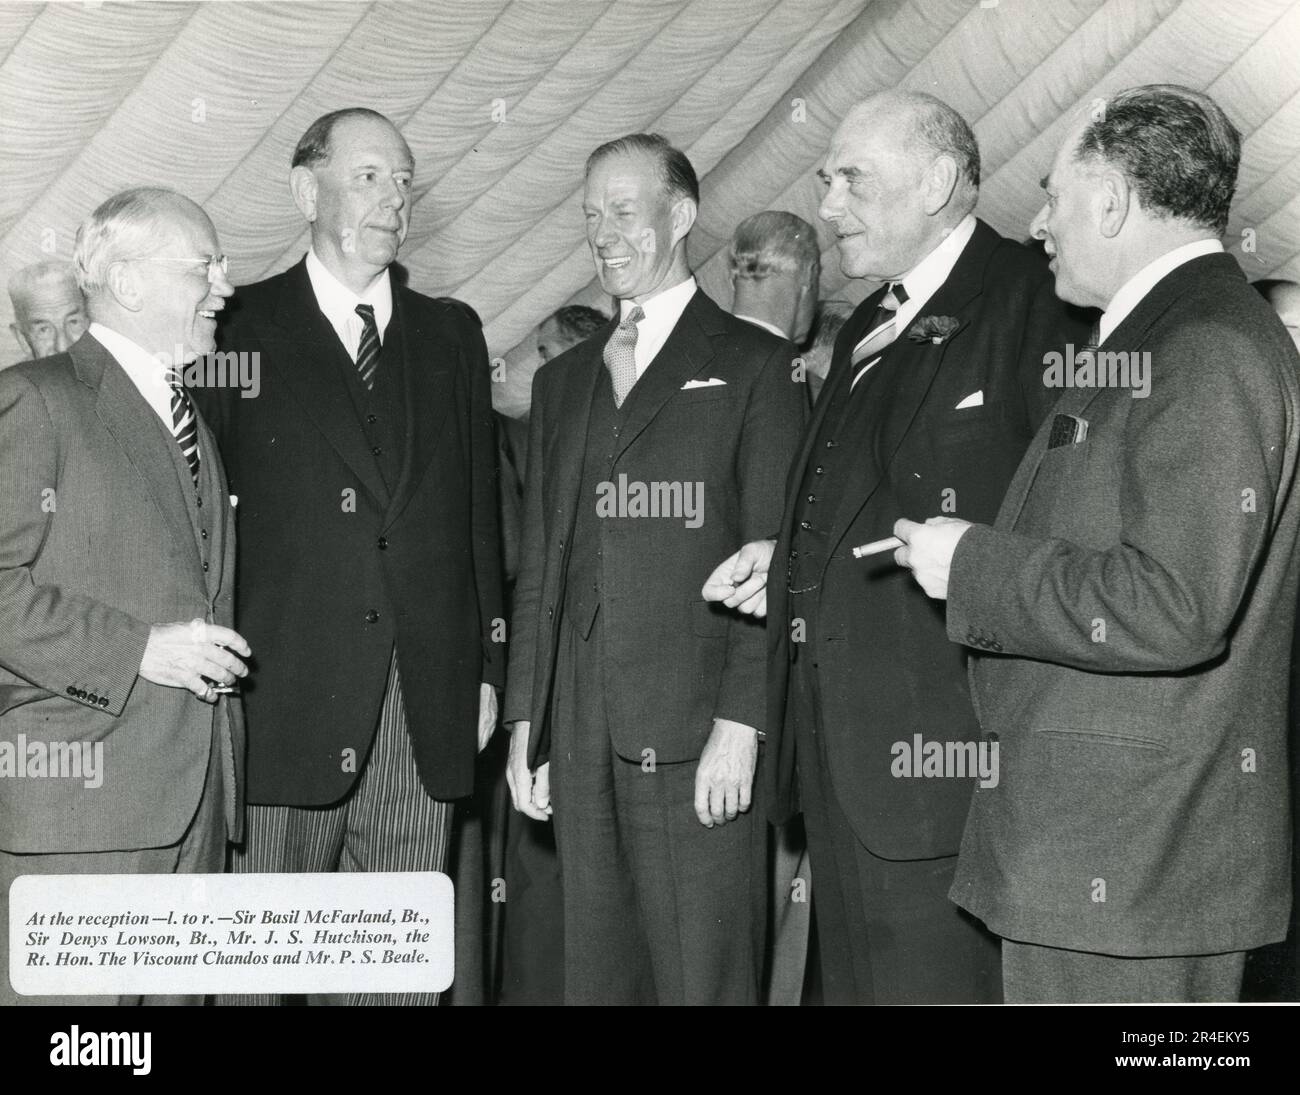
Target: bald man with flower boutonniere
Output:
[(935, 390)]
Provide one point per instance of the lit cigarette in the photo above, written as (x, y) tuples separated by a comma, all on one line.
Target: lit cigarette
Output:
[(877, 546)]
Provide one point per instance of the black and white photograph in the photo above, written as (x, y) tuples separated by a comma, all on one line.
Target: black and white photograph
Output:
[(650, 502)]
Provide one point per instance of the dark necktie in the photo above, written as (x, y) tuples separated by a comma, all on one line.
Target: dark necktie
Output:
[(882, 330), (620, 355), (185, 428), (368, 348)]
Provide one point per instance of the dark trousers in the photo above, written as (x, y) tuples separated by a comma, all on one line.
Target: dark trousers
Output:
[(1049, 975), (657, 908), (532, 960), (887, 932)]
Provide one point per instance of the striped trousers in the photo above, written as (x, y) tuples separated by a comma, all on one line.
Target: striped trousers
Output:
[(387, 823)]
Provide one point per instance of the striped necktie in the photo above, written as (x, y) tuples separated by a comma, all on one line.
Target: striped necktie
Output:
[(882, 331), (185, 428), (368, 348), (620, 355)]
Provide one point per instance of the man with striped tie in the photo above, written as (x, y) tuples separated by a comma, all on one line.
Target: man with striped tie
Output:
[(934, 391), (117, 572), (370, 556)]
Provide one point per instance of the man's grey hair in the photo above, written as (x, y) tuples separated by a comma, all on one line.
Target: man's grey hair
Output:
[(48, 271), (129, 225), (773, 242)]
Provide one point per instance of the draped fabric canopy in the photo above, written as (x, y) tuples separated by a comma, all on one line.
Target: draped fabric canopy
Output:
[(501, 100)]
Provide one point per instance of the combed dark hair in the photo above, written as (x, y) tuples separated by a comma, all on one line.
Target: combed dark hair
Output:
[(944, 130), (675, 170), (314, 145), (773, 242), (577, 321), (1175, 144)]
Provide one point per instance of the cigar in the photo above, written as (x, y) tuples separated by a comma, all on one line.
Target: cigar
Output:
[(876, 547)]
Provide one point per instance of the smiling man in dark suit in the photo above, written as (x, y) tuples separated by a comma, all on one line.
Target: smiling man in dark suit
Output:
[(1132, 607), (636, 706), (117, 574), (370, 559), (934, 390)]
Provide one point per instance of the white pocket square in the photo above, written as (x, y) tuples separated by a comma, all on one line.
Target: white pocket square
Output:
[(234, 500), (975, 399), (712, 382)]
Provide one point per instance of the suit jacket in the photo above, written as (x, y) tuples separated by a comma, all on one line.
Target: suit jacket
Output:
[(885, 668), (102, 536), (1141, 588), (334, 571), (673, 662)]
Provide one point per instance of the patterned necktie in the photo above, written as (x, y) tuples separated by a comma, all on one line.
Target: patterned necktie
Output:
[(185, 428), (882, 331), (368, 348), (620, 355)]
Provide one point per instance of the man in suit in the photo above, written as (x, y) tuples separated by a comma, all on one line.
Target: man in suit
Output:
[(776, 273), (653, 445), (934, 391), (114, 522), (369, 548), (1131, 609), (49, 310)]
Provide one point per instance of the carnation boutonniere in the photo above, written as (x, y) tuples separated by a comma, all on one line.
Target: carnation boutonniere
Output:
[(936, 329)]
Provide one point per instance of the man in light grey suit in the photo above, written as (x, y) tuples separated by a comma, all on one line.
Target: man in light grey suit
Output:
[(117, 573), (1131, 609)]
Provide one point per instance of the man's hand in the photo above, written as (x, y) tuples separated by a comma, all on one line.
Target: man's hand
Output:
[(927, 551), (530, 791), (181, 655), (724, 780), (487, 714), (740, 581)]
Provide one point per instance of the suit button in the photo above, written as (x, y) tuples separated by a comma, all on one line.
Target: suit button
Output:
[(203, 534), (93, 699), (819, 470), (81, 693), (71, 691), (550, 611), (830, 444), (812, 498), (103, 701), (372, 617), (205, 568), (371, 419), (805, 525), (199, 502), (377, 451), (383, 543)]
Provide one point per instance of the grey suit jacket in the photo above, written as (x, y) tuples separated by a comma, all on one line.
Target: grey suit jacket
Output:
[(1132, 609), (100, 538)]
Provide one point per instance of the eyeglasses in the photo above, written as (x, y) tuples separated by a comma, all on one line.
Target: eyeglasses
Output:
[(212, 262)]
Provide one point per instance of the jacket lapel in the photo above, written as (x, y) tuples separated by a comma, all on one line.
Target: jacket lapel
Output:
[(137, 429), (311, 370), (914, 366), (579, 379), (685, 354)]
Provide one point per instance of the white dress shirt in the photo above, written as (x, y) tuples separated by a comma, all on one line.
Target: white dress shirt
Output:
[(1140, 284), (148, 373), (926, 277), (764, 324), (662, 311), (339, 303)]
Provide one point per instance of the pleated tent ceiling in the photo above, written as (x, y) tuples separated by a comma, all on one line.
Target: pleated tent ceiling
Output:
[(501, 100)]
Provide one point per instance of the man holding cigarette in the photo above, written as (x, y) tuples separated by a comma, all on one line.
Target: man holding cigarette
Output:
[(935, 389), (1132, 606)]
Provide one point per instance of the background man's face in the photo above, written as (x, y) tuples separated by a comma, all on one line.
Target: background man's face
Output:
[(363, 195), (1068, 226), (873, 201), (181, 299), (629, 226), (51, 318), (552, 341)]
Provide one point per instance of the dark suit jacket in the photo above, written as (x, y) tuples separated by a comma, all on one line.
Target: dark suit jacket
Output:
[(1148, 757), (673, 662), (886, 670), (330, 577), (100, 538)]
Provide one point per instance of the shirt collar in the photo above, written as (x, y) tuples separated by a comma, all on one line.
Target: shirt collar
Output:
[(339, 303), (665, 307), (142, 366), (924, 279), (763, 323), (1140, 284)]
